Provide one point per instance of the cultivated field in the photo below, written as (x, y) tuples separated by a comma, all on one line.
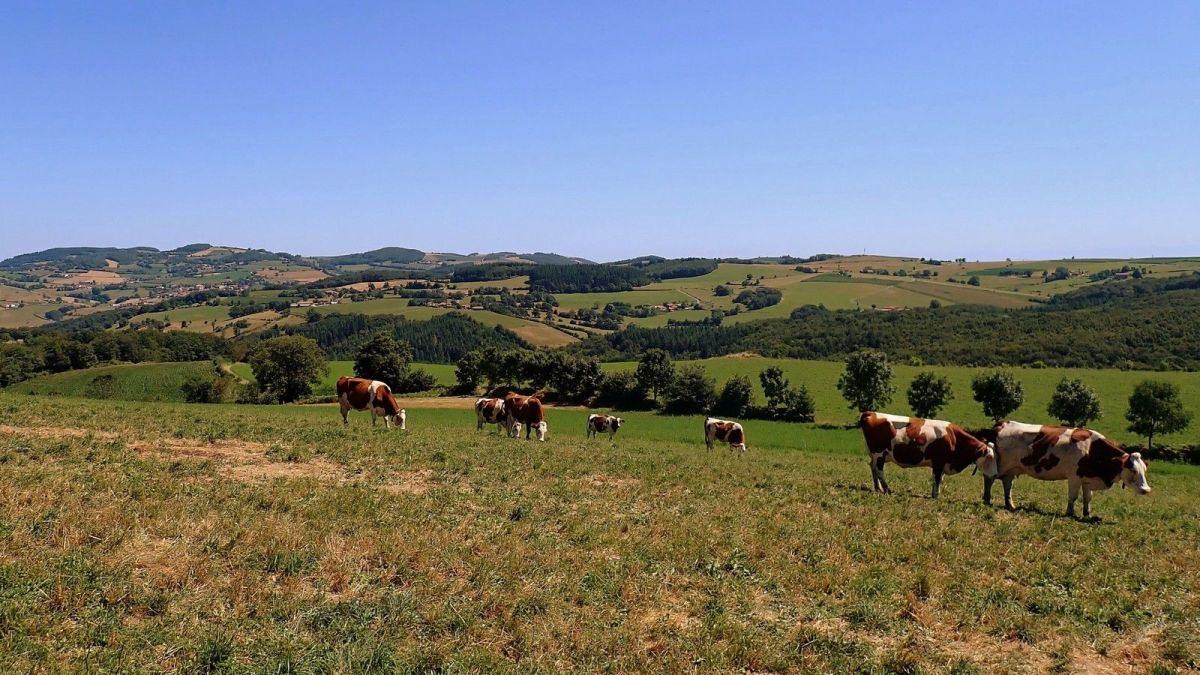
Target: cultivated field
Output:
[(150, 537)]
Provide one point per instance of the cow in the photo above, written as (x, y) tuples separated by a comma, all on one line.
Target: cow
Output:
[(491, 411), (720, 430), (597, 424), (1082, 457), (357, 393), (914, 442), (526, 410)]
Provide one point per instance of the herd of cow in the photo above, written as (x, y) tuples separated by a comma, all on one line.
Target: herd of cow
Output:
[(1087, 460)]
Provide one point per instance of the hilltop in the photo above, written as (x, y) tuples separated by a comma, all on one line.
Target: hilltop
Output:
[(547, 299)]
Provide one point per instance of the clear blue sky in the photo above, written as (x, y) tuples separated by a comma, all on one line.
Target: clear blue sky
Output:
[(604, 129)]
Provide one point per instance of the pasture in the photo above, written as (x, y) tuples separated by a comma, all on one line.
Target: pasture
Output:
[(154, 536), (820, 377), (442, 371)]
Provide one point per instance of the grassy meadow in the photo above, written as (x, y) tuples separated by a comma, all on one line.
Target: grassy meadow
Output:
[(126, 381), (327, 386), (820, 377), (171, 537)]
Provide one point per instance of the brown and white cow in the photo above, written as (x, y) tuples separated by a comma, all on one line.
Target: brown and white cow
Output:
[(598, 424), (526, 410), (357, 393), (491, 411), (914, 442), (1084, 458), (720, 430)]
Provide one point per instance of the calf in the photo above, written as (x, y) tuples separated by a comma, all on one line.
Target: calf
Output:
[(601, 423), (729, 432), (914, 442), (1082, 457), (491, 411), (356, 393), (526, 410)]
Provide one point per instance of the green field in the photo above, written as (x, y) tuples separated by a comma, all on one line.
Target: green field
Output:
[(820, 377), (152, 537), (443, 372), (196, 314), (129, 382), (533, 332)]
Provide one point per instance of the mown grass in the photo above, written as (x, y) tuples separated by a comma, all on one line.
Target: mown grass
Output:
[(132, 540)]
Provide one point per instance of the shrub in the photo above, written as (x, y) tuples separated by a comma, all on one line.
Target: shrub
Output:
[(866, 384), (621, 390), (735, 397), (415, 380), (692, 391), (928, 393), (1074, 403), (999, 393)]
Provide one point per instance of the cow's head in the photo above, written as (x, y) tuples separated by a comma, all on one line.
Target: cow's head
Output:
[(1133, 473), (616, 422), (515, 429), (541, 430), (987, 462)]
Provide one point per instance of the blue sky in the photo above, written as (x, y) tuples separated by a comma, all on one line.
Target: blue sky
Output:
[(605, 129)]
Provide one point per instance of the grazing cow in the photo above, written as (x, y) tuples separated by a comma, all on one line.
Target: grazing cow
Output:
[(913, 442), (526, 410), (1082, 457), (720, 430), (356, 393), (601, 423), (491, 411)]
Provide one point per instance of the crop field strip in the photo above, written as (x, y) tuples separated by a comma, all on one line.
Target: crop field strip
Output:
[(152, 536)]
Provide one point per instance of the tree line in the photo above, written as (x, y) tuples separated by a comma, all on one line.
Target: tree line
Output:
[(1155, 330)]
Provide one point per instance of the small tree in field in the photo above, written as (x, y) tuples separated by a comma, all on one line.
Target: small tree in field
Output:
[(735, 397), (1155, 408), (655, 371), (928, 393), (999, 392), (1074, 403), (866, 384), (691, 392), (286, 367), (384, 358)]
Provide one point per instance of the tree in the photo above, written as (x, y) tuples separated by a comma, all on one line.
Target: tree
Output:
[(928, 393), (973, 281), (1155, 408), (415, 380), (383, 358), (721, 290), (621, 390), (469, 371), (935, 304), (17, 363), (774, 385), (286, 367), (655, 371), (1074, 403), (735, 397), (691, 392), (999, 392), (866, 384)]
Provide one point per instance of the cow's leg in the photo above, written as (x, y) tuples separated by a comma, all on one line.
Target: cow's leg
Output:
[(937, 482), (877, 473), (1008, 502), (345, 413), (1072, 495), (1087, 502), (987, 490), (478, 423)]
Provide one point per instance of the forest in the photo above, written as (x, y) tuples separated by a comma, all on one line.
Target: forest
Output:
[(1154, 328)]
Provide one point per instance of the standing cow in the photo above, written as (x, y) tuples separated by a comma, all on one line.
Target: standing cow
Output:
[(729, 432), (598, 424), (526, 410), (914, 442), (1082, 457), (356, 393), (491, 411)]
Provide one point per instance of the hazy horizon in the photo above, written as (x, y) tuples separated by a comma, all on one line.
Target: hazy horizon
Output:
[(721, 130)]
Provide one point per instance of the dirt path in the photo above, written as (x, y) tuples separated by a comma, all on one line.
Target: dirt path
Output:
[(228, 370)]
